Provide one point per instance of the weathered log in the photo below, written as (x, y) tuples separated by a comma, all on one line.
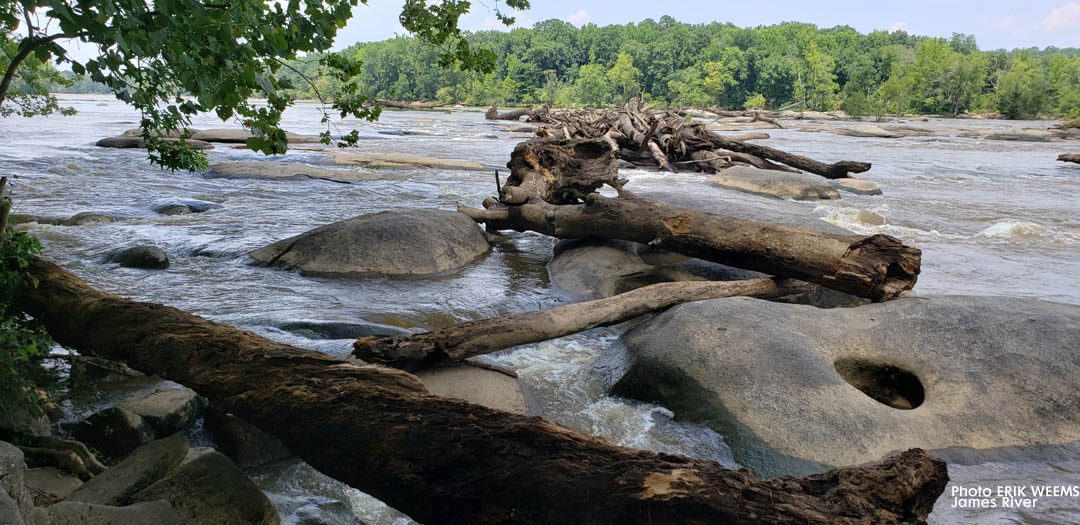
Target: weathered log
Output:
[(878, 267), (493, 114), (837, 170), (465, 340), (559, 171), (410, 105), (1067, 157), (447, 461)]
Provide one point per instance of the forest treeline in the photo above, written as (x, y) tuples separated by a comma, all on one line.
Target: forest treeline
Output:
[(789, 65)]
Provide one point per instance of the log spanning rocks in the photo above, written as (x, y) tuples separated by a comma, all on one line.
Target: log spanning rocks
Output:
[(847, 386), (670, 141), (391, 243), (446, 461)]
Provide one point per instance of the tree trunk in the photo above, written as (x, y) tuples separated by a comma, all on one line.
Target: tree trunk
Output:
[(493, 114), (878, 267), (1067, 157), (447, 461), (559, 171), (837, 170), (474, 338), (410, 105)]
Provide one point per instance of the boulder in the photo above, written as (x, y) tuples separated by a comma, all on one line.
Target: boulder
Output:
[(114, 432), (1024, 135), (401, 242), (182, 206), (141, 469), (212, 489), (341, 330), (167, 411), (234, 135), (866, 130), (15, 501), (52, 480), (773, 183), (78, 219), (489, 388), (241, 441), (10, 514), (138, 142), (857, 186), (401, 160), (78, 513), (286, 171), (795, 389), (143, 256)]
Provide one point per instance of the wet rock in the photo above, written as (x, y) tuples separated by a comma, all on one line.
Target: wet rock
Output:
[(626, 165), (286, 171), (138, 142), (401, 242), (233, 135), (182, 206), (773, 183), (114, 431), (812, 388), (866, 130), (243, 442), (78, 513), (476, 385), (144, 467), (401, 160), (1024, 135), (167, 411), (341, 330), (15, 501), (176, 134), (857, 186), (520, 128), (52, 480), (212, 489), (79, 219), (143, 256)]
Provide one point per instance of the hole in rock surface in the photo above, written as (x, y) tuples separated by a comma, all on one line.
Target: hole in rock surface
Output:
[(886, 384)]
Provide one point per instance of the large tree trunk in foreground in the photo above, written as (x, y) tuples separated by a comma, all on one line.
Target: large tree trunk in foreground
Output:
[(448, 461), (1064, 157), (461, 341), (877, 267)]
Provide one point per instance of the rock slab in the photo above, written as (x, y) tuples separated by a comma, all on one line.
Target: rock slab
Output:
[(144, 467), (773, 183), (143, 256), (167, 411), (78, 513)]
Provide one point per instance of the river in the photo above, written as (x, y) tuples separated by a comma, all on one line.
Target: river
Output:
[(992, 218)]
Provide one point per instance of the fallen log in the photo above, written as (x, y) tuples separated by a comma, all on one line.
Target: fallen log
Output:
[(837, 170), (559, 171), (465, 340), (493, 114), (1064, 157), (410, 105), (447, 461), (878, 267)]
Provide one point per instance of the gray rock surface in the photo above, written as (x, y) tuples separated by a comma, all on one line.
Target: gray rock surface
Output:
[(182, 206), (144, 256), (144, 467), (401, 160), (114, 431), (78, 513), (236, 135), (212, 489), (857, 186), (866, 130), (287, 171), (393, 243), (241, 441), (9, 511), (15, 501), (138, 142), (52, 480), (167, 411), (795, 389), (773, 183)]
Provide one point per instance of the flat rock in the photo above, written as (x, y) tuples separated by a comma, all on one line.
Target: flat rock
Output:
[(287, 171), (796, 389), (52, 480), (141, 469), (114, 431), (243, 442), (138, 142), (78, 513), (393, 243), (866, 130), (144, 256), (234, 135), (857, 186), (773, 183), (401, 160), (183, 206), (167, 411), (341, 330), (476, 385), (212, 489), (1024, 135)]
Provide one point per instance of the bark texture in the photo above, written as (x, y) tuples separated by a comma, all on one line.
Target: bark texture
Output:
[(558, 171), (878, 267), (461, 341), (447, 461)]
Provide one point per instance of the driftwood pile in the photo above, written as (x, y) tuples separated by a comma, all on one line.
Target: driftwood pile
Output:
[(670, 140)]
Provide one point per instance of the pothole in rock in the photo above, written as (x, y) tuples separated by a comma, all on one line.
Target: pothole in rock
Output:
[(886, 384)]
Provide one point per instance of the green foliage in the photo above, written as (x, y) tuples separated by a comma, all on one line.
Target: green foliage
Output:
[(1022, 91), (756, 100)]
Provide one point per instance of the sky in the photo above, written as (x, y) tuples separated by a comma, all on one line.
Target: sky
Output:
[(995, 24)]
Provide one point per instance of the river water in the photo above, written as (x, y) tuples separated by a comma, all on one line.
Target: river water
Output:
[(992, 218)]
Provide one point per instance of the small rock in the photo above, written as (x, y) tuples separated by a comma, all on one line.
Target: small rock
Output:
[(182, 206), (143, 256), (144, 467), (243, 442), (857, 186), (114, 431), (167, 411), (78, 513), (211, 489), (9, 511), (773, 183)]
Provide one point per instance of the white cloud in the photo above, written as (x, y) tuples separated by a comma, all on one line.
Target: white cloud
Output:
[(494, 23), (899, 26), (1064, 17), (580, 18)]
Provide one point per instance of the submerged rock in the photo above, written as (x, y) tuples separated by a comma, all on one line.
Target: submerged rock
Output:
[(141, 469), (773, 183), (857, 186), (167, 411), (183, 206), (401, 160), (143, 256), (287, 170), (401, 242), (811, 388), (78, 513)]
